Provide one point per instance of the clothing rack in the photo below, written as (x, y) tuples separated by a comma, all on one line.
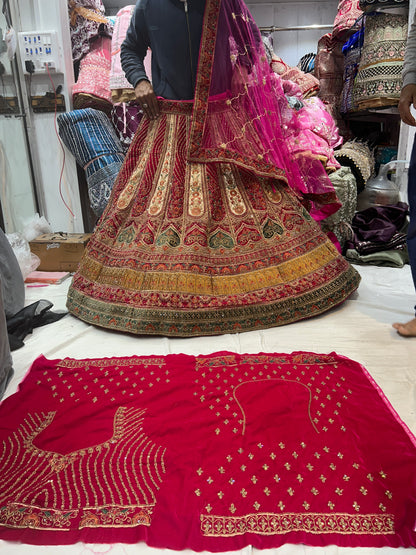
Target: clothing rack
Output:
[(273, 29)]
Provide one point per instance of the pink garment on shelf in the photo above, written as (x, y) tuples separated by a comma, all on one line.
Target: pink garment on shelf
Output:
[(315, 131), (117, 77), (94, 73), (348, 13)]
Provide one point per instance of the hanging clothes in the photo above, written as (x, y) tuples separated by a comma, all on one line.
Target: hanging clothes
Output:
[(87, 22)]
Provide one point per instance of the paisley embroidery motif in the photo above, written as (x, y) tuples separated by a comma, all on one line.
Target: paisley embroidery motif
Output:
[(271, 228), (169, 237), (221, 239)]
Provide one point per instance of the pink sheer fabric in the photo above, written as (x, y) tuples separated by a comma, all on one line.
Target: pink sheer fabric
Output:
[(240, 110), (211, 453), (316, 133)]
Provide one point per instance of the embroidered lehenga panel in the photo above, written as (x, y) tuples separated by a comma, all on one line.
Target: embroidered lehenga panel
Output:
[(210, 227), (209, 453), (200, 249)]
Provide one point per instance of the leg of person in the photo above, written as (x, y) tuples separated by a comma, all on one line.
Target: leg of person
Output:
[(409, 328)]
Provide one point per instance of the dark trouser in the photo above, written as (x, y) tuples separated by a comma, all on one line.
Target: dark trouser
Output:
[(411, 232)]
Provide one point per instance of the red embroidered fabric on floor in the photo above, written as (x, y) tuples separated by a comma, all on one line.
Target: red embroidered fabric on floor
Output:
[(209, 453)]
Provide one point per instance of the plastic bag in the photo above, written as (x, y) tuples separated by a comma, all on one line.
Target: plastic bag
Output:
[(28, 261), (38, 226)]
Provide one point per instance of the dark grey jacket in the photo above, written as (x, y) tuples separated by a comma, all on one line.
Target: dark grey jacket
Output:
[(162, 26)]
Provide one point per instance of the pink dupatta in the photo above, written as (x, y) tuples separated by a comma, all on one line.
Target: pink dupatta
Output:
[(241, 114)]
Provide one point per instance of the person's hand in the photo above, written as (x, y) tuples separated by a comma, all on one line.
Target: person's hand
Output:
[(407, 99), (147, 99)]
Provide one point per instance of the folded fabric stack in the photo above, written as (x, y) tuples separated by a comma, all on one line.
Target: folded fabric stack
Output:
[(379, 236), (345, 186)]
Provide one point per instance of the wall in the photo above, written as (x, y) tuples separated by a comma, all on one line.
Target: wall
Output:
[(292, 45), (17, 197), (289, 45)]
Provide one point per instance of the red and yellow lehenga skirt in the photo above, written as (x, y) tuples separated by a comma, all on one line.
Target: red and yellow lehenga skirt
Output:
[(189, 249)]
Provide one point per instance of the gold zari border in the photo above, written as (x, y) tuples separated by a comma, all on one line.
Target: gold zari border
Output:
[(17, 515), (190, 283), (314, 523)]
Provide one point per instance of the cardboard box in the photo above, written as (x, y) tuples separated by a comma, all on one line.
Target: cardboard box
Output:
[(59, 251)]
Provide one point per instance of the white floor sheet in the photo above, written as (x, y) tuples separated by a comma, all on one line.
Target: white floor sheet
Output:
[(359, 329)]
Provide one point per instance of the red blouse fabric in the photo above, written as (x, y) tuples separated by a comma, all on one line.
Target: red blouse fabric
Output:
[(211, 452)]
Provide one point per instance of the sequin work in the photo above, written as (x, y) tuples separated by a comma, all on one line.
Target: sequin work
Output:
[(211, 453), (187, 249)]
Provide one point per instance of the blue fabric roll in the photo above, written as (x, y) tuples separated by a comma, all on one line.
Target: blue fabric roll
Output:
[(90, 136)]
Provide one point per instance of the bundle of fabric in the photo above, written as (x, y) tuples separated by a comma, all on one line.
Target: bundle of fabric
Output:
[(339, 223), (92, 89), (348, 13), (12, 299), (329, 70), (352, 52), (126, 118), (312, 130), (378, 81), (359, 157), (307, 62), (308, 83), (87, 22), (90, 137), (379, 236), (268, 46)]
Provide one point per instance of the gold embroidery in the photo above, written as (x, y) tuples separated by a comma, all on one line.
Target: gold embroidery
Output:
[(163, 178), (235, 200), (83, 484), (268, 524), (129, 191)]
